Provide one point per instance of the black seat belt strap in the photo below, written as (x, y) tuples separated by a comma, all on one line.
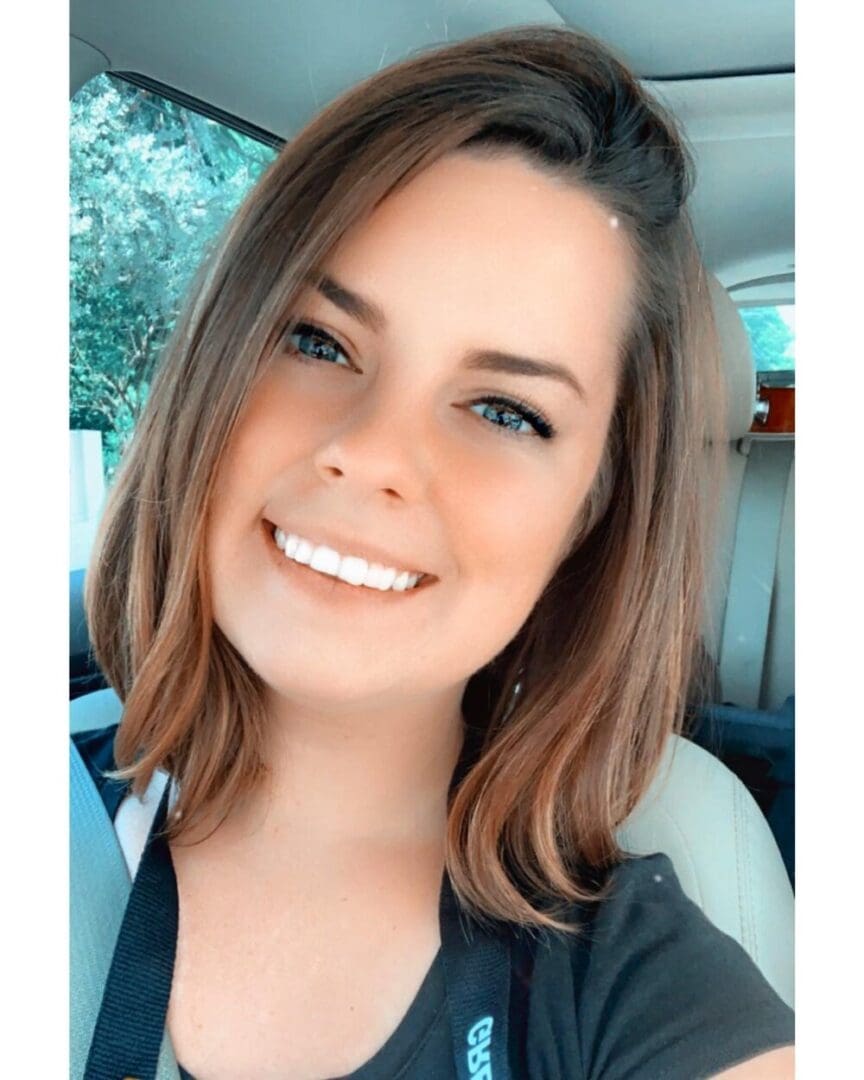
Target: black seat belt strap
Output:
[(129, 1030), (477, 975)]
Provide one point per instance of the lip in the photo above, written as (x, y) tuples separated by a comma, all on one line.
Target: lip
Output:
[(349, 547), (333, 589)]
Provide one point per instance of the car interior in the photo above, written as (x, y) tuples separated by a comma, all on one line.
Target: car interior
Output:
[(722, 805)]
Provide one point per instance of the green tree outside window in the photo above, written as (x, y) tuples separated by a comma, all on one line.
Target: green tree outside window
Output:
[(152, 184)]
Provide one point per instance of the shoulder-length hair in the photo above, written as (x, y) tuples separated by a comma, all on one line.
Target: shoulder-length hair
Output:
[(576, 710)]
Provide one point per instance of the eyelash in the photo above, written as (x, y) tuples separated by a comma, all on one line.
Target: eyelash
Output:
[(542, 427)]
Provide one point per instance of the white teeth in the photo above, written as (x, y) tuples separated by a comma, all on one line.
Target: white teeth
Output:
[(380, 577), (325, 559), (303, 552), (353, 569), (349, 568)]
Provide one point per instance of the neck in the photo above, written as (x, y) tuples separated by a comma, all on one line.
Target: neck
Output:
[(356, 773)]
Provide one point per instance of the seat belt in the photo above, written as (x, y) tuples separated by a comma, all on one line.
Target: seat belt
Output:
[(754, 564), (99, 888), (477, 974)]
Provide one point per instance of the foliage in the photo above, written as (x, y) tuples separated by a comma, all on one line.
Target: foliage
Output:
[(152, 185), (771, 338)]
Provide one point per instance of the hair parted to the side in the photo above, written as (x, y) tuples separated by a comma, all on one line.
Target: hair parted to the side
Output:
[(604, 659)]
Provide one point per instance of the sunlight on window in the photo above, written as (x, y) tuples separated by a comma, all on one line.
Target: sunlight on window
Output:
[(772, 335)]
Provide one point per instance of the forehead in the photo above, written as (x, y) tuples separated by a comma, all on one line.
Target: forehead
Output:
[(498, 245)]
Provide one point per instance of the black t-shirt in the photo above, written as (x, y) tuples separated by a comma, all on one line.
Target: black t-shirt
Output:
[(649, 989)]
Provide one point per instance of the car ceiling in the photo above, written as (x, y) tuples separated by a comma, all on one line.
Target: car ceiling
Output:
[(724, 67)]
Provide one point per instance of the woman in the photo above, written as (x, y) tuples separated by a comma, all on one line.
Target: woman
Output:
[(400, 583)]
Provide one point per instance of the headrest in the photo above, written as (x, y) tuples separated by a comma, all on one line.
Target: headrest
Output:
[(737, 360)]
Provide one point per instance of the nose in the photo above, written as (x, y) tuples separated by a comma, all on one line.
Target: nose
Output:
[(376, 449)]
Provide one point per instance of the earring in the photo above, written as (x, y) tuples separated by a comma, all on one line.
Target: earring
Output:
[(517, 690)]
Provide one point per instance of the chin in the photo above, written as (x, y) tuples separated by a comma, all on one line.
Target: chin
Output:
[(318, 683)]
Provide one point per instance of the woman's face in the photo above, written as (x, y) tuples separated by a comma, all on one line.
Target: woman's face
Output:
[(379, 424)]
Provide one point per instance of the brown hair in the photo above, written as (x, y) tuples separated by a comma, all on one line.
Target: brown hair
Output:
[(576, 710)]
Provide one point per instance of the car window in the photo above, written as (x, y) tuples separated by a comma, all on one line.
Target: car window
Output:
[(771, 328), (151, 185)]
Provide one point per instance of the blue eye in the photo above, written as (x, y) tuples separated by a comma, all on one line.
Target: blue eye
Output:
[(309, 342), (522, 412)]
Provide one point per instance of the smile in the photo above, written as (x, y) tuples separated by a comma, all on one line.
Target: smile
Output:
[(356, 574)]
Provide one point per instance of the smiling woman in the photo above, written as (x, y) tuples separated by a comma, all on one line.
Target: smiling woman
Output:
[(400, 582)]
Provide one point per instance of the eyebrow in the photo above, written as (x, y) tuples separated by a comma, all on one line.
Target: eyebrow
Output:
[(364, 311), (372, 316)]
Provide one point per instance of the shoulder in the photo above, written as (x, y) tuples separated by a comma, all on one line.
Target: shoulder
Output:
[(660, 991), (646, 908)]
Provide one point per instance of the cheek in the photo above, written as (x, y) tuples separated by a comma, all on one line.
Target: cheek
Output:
[(262, 447), (517, 545), (516, 527), (240, 492)]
